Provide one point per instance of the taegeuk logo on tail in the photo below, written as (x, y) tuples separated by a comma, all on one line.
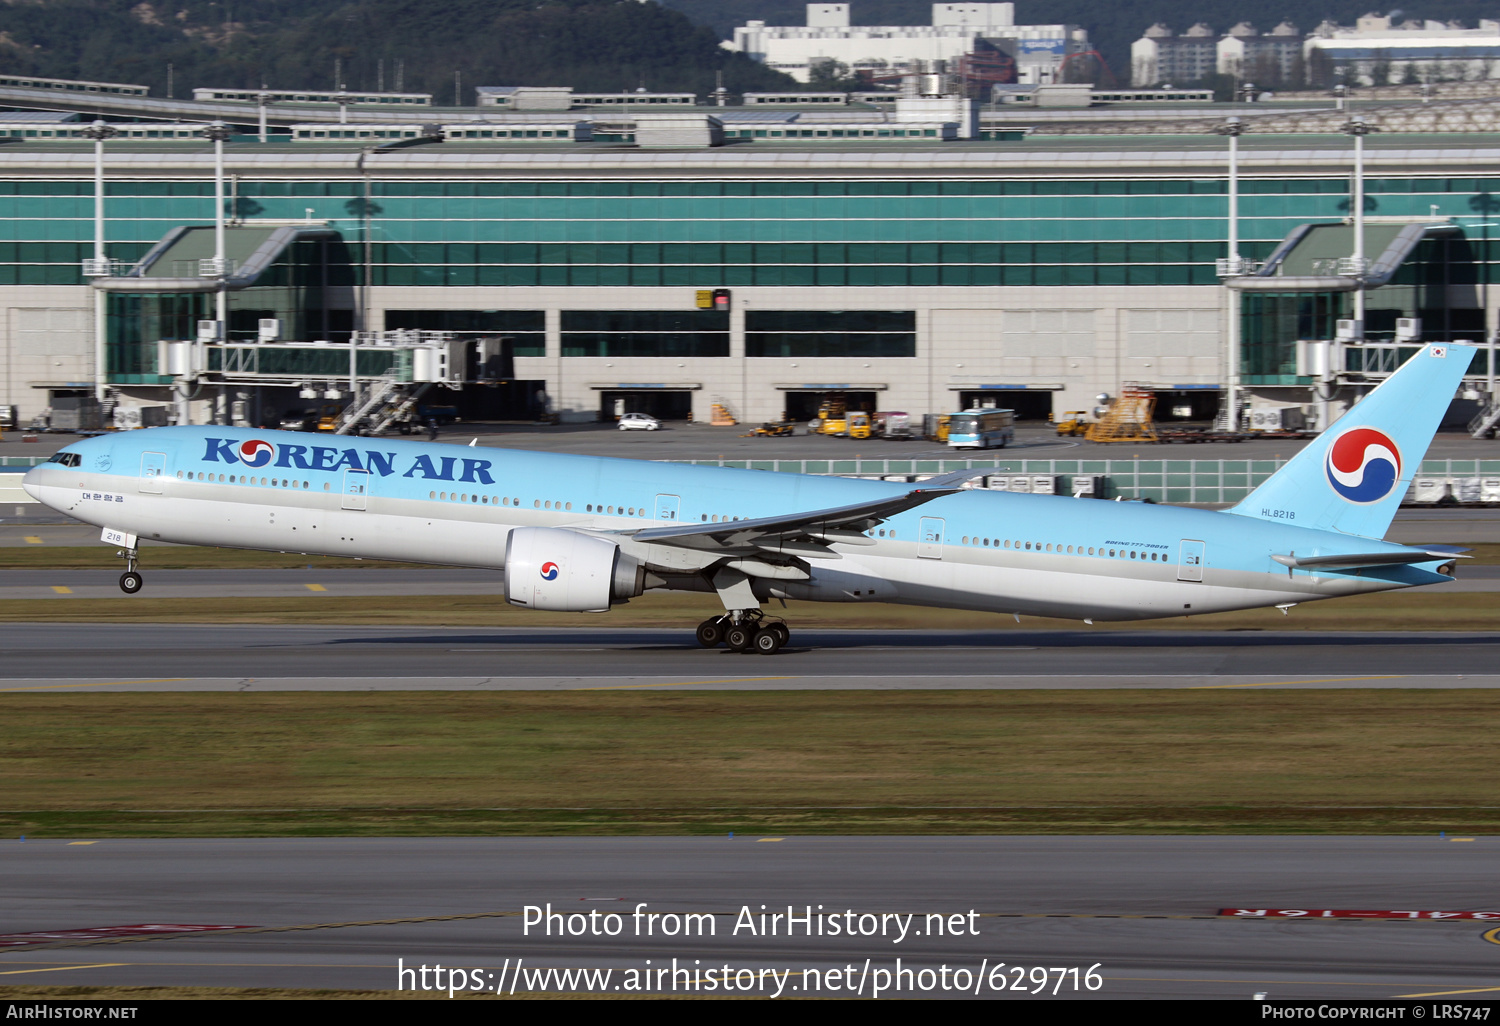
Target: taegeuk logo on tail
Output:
[(1363, 465)]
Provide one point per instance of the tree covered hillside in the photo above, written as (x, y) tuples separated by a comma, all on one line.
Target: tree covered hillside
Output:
[(588, 44)]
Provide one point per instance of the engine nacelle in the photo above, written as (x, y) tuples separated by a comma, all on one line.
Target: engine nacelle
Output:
[(567, 572)]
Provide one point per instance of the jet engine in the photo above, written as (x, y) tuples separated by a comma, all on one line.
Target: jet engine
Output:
[(568, 572)]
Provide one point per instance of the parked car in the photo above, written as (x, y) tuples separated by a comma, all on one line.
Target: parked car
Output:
[(639, 422), (299, 420)]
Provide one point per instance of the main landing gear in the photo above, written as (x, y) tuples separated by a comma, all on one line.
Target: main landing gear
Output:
[(744, 630), (130, 580)]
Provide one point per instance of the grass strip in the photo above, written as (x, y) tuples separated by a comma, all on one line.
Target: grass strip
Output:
[(1394, 611), (949, 762)]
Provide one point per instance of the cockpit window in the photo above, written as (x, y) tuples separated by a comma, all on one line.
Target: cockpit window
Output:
[(67, 459)]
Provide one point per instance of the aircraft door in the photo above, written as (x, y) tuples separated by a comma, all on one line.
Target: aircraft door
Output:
[(667, 507), (930, 537), (356, 488), (153, 469), (1190, 561)]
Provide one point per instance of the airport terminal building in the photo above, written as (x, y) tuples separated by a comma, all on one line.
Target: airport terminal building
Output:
[(908, 274)]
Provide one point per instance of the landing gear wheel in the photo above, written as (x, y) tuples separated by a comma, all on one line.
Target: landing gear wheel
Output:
[(739, 637), (711, 632), (130, 582), (768, 640), (780, 628)]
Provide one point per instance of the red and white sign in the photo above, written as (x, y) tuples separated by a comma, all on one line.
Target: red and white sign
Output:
[(1345, 913), (15, 940)]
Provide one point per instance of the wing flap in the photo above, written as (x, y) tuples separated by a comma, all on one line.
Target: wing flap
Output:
[(840, 524)]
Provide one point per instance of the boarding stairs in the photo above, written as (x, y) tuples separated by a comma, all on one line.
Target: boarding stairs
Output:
[(1486, 421), (1128, 419), (383, 407)]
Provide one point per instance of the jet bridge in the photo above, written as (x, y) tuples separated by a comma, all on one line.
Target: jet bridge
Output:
[(183, 261), (1315, 257), (382, 374)]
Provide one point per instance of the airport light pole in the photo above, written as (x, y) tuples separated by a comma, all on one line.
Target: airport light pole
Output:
[(1232, 266), (98, 266), (261, 98), (1357, 127), (219, 268)]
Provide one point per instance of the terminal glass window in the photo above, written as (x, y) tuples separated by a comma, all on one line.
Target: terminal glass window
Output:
[(1271, 323), (817, 333), (674, 333), (527, 329)]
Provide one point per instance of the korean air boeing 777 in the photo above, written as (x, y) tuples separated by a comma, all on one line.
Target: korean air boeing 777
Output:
[(581, 533)]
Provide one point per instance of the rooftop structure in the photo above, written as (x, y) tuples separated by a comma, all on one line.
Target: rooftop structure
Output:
[(540, 98), (309, 96)]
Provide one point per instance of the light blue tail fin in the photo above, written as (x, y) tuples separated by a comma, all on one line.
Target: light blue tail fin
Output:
[(1353, 476)]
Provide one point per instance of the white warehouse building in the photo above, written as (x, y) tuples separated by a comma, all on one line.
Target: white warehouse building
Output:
[(956, 29)]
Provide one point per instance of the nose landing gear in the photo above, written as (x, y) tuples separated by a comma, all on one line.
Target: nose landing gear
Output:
[(743, 631), (130, 580)]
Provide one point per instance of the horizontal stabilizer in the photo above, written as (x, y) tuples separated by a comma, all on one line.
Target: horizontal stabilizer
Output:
[(1353, 560)]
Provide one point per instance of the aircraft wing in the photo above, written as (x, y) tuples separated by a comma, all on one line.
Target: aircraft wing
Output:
[(801, 534)]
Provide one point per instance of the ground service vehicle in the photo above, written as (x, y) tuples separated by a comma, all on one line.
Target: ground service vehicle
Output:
[(1074, 422), (858, 424), (891, 424), (981, 429), (832, 418)]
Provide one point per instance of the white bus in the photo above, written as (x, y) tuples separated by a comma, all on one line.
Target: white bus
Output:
[(981, 429)]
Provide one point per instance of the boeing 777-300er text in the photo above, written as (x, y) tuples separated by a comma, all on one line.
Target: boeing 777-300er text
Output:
[(582, 533)]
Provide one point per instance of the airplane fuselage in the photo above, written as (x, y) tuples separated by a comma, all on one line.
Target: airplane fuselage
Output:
[(438, 503)]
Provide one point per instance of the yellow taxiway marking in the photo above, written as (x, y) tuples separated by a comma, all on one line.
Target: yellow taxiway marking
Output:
[(95, 684), (1460, 838), (61, 968), (1278, 683), (1445, 993), (764, 839), (684, 683), (32, 539), (83, 842), (1493, 936), (314, 587), (62, 589)]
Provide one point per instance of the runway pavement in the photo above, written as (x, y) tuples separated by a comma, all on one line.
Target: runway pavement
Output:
[(340, 913), (241, 583), (166, 657)]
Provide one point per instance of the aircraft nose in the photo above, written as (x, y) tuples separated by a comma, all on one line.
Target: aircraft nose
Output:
[(31, 485)]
